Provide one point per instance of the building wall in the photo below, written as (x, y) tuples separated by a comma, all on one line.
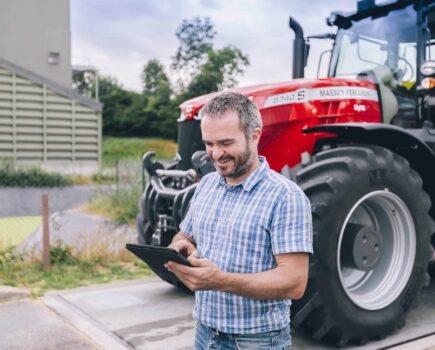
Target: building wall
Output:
[(31, 30), (42, 124)]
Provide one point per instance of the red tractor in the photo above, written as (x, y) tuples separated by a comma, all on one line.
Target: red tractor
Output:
[(361, 144)]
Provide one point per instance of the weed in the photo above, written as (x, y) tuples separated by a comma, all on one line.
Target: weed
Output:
[(120, 206), (69, 269)]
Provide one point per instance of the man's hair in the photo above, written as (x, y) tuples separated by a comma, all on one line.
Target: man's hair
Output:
[(249, 116)]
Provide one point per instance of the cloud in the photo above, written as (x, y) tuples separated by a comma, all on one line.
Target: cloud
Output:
[(119, 37)]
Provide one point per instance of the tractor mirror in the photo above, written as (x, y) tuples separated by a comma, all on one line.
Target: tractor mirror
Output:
[(428, 68)]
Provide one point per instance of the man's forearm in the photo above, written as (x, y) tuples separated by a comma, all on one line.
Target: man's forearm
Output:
[(271, 284)]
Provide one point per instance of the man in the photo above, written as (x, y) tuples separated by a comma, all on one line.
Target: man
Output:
[(247, 235)]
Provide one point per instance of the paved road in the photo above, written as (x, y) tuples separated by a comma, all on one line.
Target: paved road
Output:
[(27, 201), (150, 314), (78, 229)]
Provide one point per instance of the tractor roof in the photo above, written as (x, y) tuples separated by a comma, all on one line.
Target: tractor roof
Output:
[(368, 8)]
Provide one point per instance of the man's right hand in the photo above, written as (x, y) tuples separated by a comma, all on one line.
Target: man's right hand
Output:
[(184, 245)]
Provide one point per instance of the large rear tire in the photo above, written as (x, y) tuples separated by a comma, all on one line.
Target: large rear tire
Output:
[(371, 244)]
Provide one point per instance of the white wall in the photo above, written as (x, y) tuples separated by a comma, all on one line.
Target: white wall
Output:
[(30, 30)]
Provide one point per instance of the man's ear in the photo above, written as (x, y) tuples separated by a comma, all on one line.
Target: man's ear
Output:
[(256, 134)]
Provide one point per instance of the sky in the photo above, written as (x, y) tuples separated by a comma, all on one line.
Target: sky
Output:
[(118, 37)]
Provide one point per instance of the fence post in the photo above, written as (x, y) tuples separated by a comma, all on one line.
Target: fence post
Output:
[(117, 174), (45, 233)]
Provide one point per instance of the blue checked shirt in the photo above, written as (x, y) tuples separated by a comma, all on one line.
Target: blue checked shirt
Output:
[(240, 228)]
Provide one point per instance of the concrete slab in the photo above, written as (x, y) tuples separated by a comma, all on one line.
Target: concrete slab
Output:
[(28, 324), (8, 293), (151, 314), (146, 314)]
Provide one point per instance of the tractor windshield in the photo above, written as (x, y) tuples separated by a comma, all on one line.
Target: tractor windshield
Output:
[(387, 39)]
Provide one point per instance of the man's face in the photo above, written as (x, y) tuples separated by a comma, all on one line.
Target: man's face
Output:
[(226, 145)]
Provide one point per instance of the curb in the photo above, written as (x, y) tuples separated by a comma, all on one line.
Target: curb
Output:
[(8, 293), (426, 343)]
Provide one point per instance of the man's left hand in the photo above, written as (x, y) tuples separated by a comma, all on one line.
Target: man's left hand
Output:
[(203, 275)]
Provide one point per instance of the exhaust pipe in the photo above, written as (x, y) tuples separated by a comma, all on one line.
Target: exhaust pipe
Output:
[(300, 49)]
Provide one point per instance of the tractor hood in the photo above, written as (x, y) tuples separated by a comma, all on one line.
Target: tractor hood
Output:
[(297, 91)]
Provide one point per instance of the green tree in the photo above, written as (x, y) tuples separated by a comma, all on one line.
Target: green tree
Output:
[(123, 111), (196, 39), (84, 83), (155, 81), (218, 72), (154, 112), (161, 111), (201, 68)]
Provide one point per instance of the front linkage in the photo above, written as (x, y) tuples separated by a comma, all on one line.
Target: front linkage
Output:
[(166, 197)]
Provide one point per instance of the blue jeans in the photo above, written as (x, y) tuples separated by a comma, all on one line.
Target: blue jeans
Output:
[(207, 338)]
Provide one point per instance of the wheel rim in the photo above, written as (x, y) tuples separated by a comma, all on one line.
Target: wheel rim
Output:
[(392, 250)]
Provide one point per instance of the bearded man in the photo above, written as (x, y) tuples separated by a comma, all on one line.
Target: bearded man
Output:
[(247, 235)]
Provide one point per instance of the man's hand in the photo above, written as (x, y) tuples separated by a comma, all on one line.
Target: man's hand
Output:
[(204, 275), (184, 245)]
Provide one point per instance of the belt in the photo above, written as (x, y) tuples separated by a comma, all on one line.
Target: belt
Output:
[(218, 333)]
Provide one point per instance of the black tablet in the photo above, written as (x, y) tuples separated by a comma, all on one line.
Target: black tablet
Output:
[(156, 257)]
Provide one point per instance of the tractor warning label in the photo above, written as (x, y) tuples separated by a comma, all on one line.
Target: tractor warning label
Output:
[(319, 94)]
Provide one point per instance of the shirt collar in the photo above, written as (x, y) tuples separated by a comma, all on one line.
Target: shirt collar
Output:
[(258, 174)]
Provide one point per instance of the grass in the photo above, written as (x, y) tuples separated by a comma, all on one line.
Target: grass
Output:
[(95, 260), (115, 148), (120, 206), (13, 230), (103, 178)]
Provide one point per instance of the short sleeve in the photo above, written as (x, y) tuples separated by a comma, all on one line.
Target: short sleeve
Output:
[(186, 224), (292, 229)]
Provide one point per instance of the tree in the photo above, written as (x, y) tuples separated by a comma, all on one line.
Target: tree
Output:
[(84, 83), (196, 39), (201, 68), (123, 111), (155, 81), (218, 72)]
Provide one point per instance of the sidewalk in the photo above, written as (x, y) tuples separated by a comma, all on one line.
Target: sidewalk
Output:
[(28, 324)]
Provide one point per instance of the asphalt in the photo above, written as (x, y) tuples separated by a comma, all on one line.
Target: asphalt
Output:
[(79, 229), (27, 201)]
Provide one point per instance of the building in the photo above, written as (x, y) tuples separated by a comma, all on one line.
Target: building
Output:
[(43, 122)]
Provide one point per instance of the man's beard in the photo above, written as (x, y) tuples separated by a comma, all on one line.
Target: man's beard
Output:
[(242, 163)]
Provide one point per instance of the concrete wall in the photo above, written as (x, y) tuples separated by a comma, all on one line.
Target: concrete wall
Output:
[(30, 30)]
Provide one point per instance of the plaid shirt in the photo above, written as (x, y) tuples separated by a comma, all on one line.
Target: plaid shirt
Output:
[(240, 228)]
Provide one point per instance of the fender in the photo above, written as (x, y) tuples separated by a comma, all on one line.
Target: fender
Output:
[(410, 144)]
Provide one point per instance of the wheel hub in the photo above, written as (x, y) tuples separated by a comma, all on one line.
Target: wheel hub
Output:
[(362, 246), (376, 250)]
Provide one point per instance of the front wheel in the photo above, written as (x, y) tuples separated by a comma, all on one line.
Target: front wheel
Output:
[(371, 244)]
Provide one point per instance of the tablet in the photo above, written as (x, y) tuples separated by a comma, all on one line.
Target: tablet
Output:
[(156, 257)]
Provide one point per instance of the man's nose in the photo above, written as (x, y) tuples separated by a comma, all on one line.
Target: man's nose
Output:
[(216, 153)]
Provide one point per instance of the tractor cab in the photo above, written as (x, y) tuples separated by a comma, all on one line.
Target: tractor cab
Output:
[(387, 45)]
